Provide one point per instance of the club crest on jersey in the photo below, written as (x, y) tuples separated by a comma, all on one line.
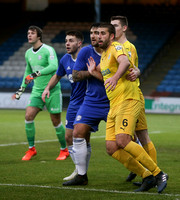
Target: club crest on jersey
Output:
[(118, 47), (78, 118), (51, 57)]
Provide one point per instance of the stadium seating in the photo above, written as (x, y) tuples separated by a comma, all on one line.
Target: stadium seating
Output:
[(149, 40), (12, 61), (171, 82), (145, 37)]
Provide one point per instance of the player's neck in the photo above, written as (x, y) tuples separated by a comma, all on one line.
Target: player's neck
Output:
[(37, 44), (98, 50), (122, 39), (74, 55)]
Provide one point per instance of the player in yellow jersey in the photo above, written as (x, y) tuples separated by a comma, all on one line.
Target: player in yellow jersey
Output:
[(121, 25), (125, 107)]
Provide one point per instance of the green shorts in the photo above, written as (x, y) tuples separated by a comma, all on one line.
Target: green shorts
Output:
[(53, 103)]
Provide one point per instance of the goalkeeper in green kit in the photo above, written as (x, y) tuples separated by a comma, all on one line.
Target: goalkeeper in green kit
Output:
[(42, 64)]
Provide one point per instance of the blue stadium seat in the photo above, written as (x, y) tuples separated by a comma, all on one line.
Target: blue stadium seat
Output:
[(176, 66), (168, 77), (177, 89), (169, 88), (2, 84), (165, 82), (161, 88), (172, 72)]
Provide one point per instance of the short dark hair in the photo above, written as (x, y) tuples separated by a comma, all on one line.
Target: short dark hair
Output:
[(95, 25), (38, 30), (110, 27), (76, 33), (123, 19)]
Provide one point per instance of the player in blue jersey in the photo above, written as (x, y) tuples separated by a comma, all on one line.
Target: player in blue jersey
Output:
[(95, 107), (73, 42)]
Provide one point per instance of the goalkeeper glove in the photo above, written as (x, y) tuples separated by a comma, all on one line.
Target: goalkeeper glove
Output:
[(18, 94), (30, 77)]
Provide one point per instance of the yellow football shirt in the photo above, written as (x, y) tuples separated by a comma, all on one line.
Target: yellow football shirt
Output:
[(125, 89)]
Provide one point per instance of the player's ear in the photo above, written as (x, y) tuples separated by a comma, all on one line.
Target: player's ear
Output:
[(125, 28), (80, 43), (112, 36)]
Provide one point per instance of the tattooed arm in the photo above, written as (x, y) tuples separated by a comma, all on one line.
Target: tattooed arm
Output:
[(80, 75)]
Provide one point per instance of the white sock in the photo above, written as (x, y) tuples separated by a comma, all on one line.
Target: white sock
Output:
[(70, 149), (88, 155), (80, 154)]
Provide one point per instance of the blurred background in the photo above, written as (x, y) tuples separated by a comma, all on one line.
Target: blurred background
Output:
[(153, 28)]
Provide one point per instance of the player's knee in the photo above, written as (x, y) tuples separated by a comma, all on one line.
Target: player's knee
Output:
[(29, 117), (77, 134), (109, 151), (80, 131), (122, 140), (55, 122), (111, 147)]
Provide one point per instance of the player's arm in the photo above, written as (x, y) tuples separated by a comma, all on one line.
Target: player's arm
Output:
[(93, 70), (134, 73), (124, 64), (80, 71), (23, 86), (52, 83), (80, 75)]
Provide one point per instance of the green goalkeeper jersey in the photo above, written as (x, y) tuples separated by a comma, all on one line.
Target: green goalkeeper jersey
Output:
[(44, 60)]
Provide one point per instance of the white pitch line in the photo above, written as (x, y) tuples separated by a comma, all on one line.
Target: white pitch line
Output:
[(41, 141), (155, 132), (55, 140), (88, 189)]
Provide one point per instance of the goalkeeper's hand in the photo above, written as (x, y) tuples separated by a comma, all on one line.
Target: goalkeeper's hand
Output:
[(30, 77), (18, 94)]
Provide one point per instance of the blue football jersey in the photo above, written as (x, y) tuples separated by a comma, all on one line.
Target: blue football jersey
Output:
[(78, 88), (95, 93)]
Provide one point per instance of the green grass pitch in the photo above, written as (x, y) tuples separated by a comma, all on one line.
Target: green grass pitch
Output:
[(42, 177)]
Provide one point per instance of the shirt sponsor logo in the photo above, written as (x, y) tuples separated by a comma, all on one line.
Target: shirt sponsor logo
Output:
[(54, 109), (105, 72)]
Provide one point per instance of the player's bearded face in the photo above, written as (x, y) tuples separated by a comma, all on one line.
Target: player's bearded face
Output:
[(94, 37), (104, 39), (104, 44)]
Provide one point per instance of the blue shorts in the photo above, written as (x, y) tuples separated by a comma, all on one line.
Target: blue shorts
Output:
[(91, 115), (71, 115)]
